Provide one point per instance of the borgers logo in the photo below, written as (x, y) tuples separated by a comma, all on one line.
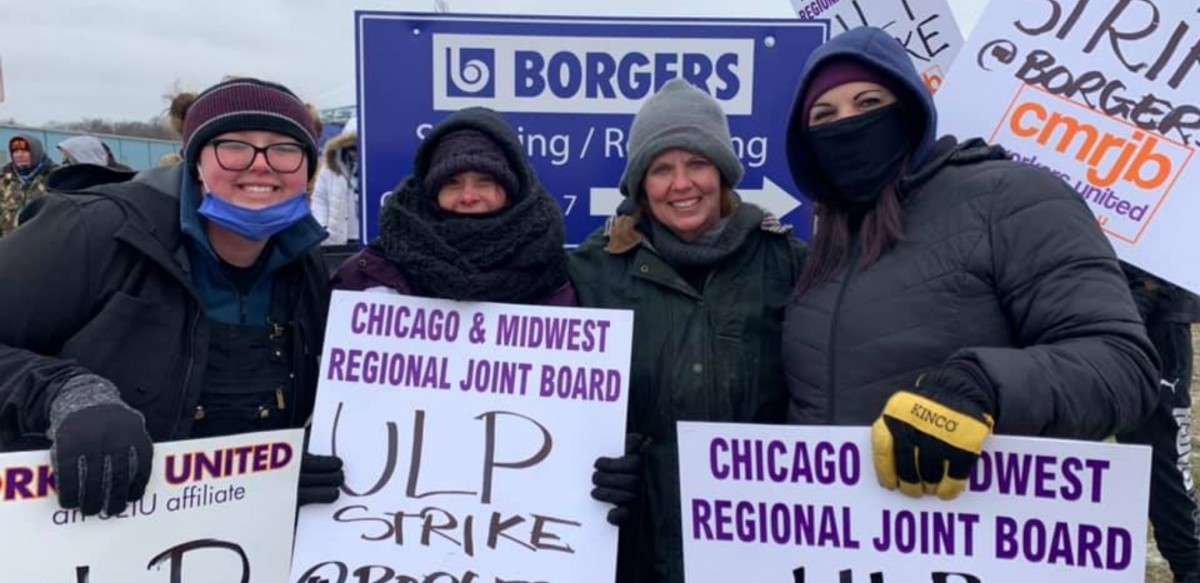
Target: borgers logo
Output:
[(469, 72), (545, 74)]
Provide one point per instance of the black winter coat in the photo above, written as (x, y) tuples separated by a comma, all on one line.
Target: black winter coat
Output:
[(97, 282), (1002, 265)]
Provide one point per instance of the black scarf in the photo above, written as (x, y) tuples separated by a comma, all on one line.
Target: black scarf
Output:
[(515, 255)]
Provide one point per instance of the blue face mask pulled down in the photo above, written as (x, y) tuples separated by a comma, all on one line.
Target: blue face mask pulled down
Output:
[(255, 224)]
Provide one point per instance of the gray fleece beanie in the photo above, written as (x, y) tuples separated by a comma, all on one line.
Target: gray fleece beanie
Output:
[(679, 116)]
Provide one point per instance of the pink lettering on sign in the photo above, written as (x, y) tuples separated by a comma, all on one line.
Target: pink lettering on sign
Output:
[(26, 483), (225, 463)]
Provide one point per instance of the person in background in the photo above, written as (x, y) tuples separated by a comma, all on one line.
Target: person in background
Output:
[(83, 150), (947, 284), (187, 302), (23, 180), (86, 163), (706, 275), (1169, 311), (112, 160), (335, 198)]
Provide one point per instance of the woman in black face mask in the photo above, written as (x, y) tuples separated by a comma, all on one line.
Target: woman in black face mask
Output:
[(951, 293)]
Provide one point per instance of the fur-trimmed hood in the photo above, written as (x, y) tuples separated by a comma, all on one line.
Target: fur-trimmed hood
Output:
[(333, 151)]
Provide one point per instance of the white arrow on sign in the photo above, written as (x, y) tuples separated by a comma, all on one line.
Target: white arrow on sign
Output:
[(772, 198), (603, 202)]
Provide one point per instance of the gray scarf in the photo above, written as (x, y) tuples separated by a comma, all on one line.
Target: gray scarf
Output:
[(713, 246)]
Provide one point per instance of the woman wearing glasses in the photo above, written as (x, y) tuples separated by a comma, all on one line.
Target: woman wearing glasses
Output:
[(187, 302)]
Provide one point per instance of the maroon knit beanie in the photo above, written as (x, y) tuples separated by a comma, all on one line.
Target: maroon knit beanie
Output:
[(245, 105), (839, 71)]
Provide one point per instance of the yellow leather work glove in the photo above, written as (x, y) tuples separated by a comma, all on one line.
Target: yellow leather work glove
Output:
[(929, 437)]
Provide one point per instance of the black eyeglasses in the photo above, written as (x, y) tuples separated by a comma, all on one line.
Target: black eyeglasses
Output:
[(236, 155)]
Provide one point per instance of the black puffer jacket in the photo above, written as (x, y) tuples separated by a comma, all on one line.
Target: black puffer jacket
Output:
[(1002, 267)]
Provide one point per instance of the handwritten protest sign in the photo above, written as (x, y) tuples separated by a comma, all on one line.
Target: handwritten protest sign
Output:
[(216, 510), (927, 28), (1106, 95), (802, 505), (469, 431)]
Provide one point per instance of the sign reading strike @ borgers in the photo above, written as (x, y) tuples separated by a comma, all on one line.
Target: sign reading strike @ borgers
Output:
[(1104, 94), (802, 505), (468, 431), (217, 510), (570, 88)]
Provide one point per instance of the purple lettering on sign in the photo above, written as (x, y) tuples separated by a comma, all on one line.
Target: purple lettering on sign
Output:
[(554, 333), (757, 460), (744, 520), (1045, 473), (827, 466), (719, 471), (580, 383), (773, 523), (404, 322), (1073, 490), (357, 326), (776, 450), (723, 519), (1062, 543), (388, 368), (337, 359), (701, 514), (1041, 476), (741, 459), (925, 532), (1098, 467), (353, 364), (781, 527)]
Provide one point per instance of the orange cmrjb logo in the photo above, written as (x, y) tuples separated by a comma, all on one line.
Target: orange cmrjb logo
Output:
[(1127, 170), (1137, 159)]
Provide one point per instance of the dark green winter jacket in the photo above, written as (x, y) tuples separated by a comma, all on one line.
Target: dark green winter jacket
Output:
[(712, 355)]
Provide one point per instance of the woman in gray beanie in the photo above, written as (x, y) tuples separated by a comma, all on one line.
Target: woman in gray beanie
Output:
[(707, 276)]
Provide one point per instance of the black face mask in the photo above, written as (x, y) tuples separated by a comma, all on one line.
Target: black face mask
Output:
[(861, 155)]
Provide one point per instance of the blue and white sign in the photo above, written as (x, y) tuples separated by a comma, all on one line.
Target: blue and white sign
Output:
[(570, 87)]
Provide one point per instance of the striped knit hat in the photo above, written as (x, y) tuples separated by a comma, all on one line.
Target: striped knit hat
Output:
[(244, 105)]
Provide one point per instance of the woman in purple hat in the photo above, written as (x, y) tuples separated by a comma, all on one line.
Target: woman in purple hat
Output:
[(186, 302), (951, 292)]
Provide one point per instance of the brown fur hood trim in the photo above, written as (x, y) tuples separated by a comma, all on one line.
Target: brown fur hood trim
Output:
[(334, 147)]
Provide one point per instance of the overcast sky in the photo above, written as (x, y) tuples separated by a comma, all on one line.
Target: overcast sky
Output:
[(66, 60)]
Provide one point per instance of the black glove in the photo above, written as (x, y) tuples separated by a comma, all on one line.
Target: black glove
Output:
[(928, 438), (618, 481), (321, 479), (102, 454)]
